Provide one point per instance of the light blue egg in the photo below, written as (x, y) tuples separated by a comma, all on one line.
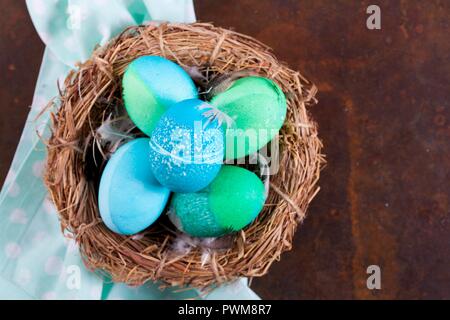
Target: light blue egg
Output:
[(150, 85), (187, 147), (130, 198)]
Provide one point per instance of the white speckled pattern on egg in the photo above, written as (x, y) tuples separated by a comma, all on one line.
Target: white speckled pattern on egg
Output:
[(186, 149)]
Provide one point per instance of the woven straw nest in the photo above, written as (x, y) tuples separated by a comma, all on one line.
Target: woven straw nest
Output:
[(76, 158)]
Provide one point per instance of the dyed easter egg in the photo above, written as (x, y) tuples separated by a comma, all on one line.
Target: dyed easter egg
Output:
[(231, 202), (186, 147), (257, 107), (150, 85), (130, 198)]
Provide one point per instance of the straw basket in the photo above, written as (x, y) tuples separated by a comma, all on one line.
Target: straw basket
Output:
[(76, 158)]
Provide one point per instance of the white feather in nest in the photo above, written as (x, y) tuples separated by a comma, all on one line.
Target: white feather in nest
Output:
[(212, 113), (113, 133), (183, 244), (264, 170)]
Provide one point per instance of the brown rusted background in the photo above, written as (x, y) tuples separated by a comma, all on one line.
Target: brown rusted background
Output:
[(383, 116)]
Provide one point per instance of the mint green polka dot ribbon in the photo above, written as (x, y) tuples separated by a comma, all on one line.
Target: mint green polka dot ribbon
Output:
[(36, 261)]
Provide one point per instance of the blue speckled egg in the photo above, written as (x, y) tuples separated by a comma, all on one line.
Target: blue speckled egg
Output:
[(130, 198), (150, 85), (186, 147)]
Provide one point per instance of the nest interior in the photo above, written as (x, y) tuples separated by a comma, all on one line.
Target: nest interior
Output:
[(76, 158)]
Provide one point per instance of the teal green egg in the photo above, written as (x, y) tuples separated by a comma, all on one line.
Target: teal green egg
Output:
[(232, 201), (150, 85), (257, 107)]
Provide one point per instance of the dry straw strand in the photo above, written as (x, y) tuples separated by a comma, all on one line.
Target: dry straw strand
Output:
[(75, 160)]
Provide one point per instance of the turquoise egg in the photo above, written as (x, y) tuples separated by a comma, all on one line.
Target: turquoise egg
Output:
[(150, 85), (130, 198), (231, 202), (186, 147), (257, 107)]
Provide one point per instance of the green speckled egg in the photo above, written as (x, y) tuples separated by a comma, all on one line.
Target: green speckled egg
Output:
[(257, 107), (231, 202)]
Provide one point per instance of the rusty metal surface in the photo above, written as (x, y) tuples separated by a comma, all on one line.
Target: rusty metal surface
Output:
[(384, 118), (20, 58)]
